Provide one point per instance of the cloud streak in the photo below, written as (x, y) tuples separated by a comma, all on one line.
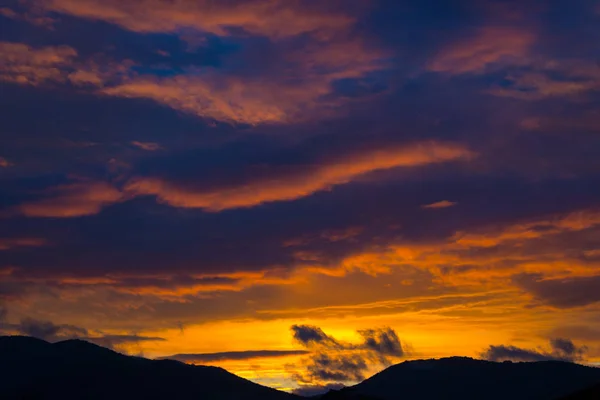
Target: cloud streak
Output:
[(148, 146), (569, 292), (560, 350), (440, 204), (204, 16), (72, 200), (490, 46), (51, 332), (4, 163), (22, 64), (12, 243), (233, 355), (297, 83), (296, 182)]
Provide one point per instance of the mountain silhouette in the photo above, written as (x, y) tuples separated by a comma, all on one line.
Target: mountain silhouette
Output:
[(345, 395), (591, 393), (461, 378), (33, 369)]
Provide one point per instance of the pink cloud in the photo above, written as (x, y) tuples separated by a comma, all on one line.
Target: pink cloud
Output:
[(297, 86), (272, 18), (148, 146), (72, 200), (490, 45), (440, 204), (20, 63), (4, 163), (297, 184)]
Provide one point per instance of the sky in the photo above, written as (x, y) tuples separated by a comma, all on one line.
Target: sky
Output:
[(303, 192)]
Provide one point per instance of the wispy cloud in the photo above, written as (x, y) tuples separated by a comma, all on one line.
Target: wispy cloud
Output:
[(20, 63), (294, 183), (488, 47), (565, 292), (72, 200), (53, 332), (4, 163), (551, 78), (560, 349), (440, 204), (204, 16), (298, 84), (233, 355), (11, 243), (148, 146), (332, 360)]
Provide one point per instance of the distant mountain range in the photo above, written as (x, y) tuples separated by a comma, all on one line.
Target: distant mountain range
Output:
[(32, 369), (591, 393), (461, 378)]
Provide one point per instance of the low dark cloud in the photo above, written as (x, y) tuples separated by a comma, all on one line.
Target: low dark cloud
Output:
[(559, 349), (512, 353), (336, 361), (114, 341), (234, 355), (51, 332), (337, 367), (384, 342), (566, 350), (309, 335), (561, 293)]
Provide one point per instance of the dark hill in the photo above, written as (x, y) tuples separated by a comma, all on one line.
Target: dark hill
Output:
[(592, 393), (459, 378), (344, 395), (32, 369)]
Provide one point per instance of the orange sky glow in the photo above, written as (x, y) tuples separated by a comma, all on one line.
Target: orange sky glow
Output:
[(281, 180)]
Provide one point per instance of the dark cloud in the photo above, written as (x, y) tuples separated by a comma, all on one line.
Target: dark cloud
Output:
[(565, 349), (141, 233), (335, 361), (12, 290), (560, 350), (309, 335), (562, 293), (234, 355), (337, 367), (115, 341), (513, 353), (49, 331), (585, 333), (384, 342)]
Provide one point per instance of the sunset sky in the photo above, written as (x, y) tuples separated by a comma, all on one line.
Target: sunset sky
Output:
[(312, 189)]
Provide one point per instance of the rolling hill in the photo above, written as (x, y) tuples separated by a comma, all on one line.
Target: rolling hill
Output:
[(591, 393), (32, 369), (460, 378)]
